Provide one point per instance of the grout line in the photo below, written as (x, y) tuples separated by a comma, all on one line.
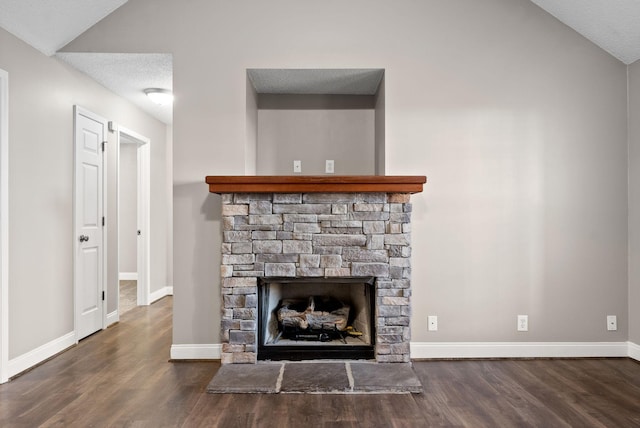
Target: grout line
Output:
[(279, 381), (347, 366)]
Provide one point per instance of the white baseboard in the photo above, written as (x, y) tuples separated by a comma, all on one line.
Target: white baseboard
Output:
[(159, 294), (427, 350), (113, 318), (634, 351), (128, 276), (196, 352), (436, 350), (26, 361)]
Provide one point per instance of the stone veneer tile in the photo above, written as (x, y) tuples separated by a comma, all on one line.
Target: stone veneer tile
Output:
[(310, 272), (331, 261), (297, 247), (280, 269), (370, 269), (365, 255), (300, 218), (264, 234), (302, 209), (265, 219), (267, 247), (231, 210), (287, 198), (339, 240), (309, 260), (260, 207), (236, 236)]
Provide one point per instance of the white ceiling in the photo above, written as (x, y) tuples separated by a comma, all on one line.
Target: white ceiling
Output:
[(49, 25), (614, 25), (128, 75)]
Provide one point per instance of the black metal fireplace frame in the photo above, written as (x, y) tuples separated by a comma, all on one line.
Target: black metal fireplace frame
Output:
[(311, 351)]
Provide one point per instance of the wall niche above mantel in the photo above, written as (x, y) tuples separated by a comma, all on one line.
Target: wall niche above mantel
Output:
[(313, 115)]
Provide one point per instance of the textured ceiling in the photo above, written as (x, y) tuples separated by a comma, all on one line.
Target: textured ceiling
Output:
[(351, 81), (48, 25), (128, 75), (614, 25)]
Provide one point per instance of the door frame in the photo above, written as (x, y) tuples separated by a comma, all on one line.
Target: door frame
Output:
[(77, 111), (128, 136), (4, 226)]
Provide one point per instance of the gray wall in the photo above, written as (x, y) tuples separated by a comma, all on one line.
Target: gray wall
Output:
[(634, 203), (128, 211), (313, 129), (42, 94), (519, 123)]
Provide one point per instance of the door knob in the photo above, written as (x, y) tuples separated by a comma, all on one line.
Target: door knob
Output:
[(84, 238)]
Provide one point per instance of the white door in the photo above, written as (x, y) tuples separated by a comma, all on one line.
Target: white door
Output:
[(90, 133)]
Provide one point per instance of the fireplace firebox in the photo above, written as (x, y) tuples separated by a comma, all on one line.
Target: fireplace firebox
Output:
[(316, 318)]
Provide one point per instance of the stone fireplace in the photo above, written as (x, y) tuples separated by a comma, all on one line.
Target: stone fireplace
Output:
[(294, 237)]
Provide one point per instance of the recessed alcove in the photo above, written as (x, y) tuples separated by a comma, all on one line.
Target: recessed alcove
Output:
[(314, 115)]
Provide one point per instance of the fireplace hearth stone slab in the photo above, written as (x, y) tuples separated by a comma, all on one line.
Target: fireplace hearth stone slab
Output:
[(372, 377), (316, 378), (246, 378)]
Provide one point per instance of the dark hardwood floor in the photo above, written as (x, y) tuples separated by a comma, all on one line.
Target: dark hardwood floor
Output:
[(121, 377)]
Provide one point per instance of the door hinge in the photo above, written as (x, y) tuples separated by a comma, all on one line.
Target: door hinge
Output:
[(102, 221), (104, 145), (103, 296)]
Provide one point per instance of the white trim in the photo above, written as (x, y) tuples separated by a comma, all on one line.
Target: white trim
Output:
[(4, 226), (159, 294), (427, 350), (144, 222), (196, 352), (634, 351), (26, 361), (128, 276), (113, 317), (437, 350)]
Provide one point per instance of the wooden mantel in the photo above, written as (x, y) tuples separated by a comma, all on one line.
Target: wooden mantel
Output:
[(315, 183)]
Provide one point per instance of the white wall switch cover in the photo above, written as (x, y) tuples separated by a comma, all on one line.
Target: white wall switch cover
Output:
[(297, 166)]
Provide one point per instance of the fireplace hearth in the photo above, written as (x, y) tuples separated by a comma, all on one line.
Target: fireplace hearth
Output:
[(295, 242)]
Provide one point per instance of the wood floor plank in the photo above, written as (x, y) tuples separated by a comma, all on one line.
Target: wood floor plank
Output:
[(121, 377)]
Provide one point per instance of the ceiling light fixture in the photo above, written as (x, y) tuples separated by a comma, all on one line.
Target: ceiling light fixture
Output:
[(159, 96)]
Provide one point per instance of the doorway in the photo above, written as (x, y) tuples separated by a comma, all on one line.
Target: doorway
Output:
[(133, 192)]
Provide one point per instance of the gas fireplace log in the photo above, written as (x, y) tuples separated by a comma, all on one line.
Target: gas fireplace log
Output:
[(310, 314)]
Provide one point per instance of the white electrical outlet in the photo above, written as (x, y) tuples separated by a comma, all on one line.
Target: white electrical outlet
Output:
[(432, 323), (523, 323), (297, 166), (612, 322), (329, 166)]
